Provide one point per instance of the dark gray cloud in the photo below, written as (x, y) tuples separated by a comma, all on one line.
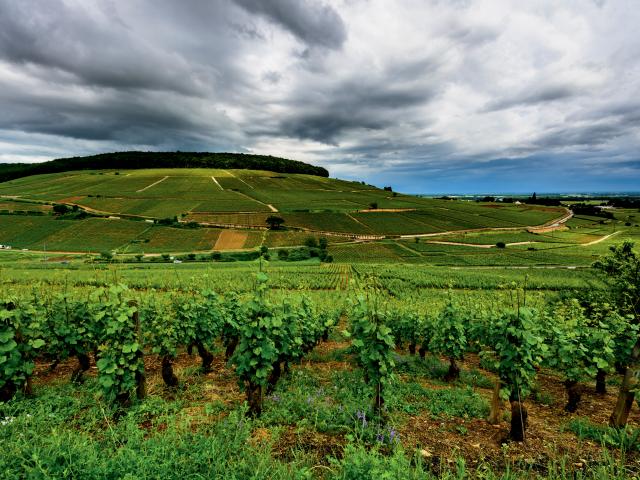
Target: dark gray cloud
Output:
[(96, 51), (534, 95), (312, 21), (329, 116), (409, 93)]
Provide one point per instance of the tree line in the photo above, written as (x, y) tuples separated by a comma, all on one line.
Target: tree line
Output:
[(139, 160)]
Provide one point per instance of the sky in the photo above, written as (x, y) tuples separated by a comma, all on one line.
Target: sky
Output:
[(440, 96)]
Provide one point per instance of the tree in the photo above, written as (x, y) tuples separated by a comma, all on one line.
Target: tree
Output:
[(60, 209), (283, 254), (622, 267), (311, 242), (274, 222), (106, 255), (373, 205)]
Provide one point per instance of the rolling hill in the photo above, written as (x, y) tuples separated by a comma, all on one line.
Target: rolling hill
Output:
[(204, 209)]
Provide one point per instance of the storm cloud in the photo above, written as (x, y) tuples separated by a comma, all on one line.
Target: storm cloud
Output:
[(427, 96)]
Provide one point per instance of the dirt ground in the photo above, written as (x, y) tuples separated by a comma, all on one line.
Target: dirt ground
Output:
[(230, 240), (438, 440)]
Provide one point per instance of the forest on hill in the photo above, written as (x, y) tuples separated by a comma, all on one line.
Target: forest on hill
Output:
[(139, 160)]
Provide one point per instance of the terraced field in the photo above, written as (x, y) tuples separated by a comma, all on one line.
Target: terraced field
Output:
[(163, 193), (239, 202)]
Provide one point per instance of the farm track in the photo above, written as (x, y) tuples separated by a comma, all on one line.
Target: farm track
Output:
[(550, 225), (216, 182), (153, 184), (600, 239), (477, 245)]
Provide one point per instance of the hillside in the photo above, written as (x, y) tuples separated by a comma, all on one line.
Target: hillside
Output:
[(141, 160), (146, 205)]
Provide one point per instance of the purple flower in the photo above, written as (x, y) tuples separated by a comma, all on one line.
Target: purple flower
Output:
[(362, 416), (392, 435), (380, 438)]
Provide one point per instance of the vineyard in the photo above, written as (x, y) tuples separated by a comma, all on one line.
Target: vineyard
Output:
[(334, 371)]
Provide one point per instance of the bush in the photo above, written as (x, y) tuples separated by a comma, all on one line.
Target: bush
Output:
[(501, 245), (274, 222), (60, 209)]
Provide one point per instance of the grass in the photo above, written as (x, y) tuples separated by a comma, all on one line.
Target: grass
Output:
[(625, 439), (316, 424)]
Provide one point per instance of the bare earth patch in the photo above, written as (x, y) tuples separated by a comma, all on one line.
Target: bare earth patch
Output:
[(230, 240)]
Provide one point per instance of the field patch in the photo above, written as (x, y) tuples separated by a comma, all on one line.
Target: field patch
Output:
[(159, 239), (230, 240)]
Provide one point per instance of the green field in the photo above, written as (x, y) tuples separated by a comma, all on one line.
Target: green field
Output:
[(238, 202), (163, 193)]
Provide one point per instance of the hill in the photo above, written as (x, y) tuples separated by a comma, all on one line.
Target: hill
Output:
[(149, 210), (139, 160)]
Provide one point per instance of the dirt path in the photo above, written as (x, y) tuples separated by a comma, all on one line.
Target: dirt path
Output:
[(551, 224), (269, 206), (357, 221), (409, 249), (216, 182), (230, 173), (153, 184), (477, 245), (600, 239)]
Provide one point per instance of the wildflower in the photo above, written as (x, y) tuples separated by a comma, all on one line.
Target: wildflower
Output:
[(362, 416), (7, 421), (392, 435), (379, 438)]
